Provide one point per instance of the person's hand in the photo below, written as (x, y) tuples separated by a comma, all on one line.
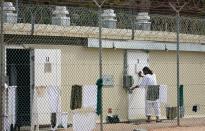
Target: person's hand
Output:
[(134, 87), (130, 91), (140, 74)]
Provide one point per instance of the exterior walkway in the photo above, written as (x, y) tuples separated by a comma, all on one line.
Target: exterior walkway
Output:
[(189, 124)]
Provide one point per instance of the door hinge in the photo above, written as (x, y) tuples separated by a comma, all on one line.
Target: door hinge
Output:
[(32, 58), (32, 86), (138, 61)]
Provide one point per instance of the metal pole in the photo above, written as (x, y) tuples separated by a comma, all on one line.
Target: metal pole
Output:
[(2, 70), (100, 61), (17, 9), (100, 41), (133, 25), (177, 31), (100, 56), (178, 100)]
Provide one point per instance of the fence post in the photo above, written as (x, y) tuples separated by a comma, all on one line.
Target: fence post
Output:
[(2, 70), (178, 88), (100, 63), (177, 50)]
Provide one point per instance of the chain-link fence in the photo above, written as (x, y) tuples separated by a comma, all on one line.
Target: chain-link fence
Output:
[(51, 68)]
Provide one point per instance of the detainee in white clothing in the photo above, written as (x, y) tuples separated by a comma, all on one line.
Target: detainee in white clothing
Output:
[(149, 79)]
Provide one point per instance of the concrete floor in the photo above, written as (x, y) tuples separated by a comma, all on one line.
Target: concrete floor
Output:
[(189, 124)]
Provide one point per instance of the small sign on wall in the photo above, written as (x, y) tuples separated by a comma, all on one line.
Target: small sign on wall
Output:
[(107, 80), (47, 66)]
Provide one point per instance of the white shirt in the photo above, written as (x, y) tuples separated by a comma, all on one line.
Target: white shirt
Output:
[(148, 80)]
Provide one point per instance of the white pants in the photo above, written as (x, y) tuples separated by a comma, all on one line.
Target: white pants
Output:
[(152, 105)]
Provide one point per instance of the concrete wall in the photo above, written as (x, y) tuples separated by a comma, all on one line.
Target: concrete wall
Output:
[(191, 76), (80, 65)]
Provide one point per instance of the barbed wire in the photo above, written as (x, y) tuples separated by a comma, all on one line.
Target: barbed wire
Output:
[(154, 6), (78, 62)]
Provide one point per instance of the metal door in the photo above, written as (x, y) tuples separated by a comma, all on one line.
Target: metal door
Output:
[(47, 73), (136, 101)]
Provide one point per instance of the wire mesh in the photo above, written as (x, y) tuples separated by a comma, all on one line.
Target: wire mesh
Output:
[(52, 69)]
